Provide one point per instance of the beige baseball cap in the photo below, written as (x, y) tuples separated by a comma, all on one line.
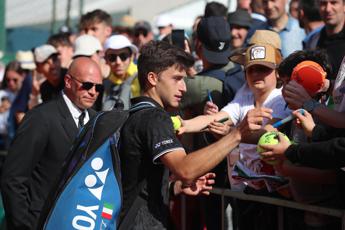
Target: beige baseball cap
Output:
[(266, 37), (26, 59), (259, 54)]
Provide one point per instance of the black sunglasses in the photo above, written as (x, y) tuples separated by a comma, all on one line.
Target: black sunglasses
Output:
[(15, 80), (113, 57), (140, 31), (88, 85)]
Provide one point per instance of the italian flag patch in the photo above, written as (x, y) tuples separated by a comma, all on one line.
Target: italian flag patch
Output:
[(107, 211)]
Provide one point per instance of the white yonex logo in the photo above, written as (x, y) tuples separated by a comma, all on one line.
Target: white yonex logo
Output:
[(257, 52), (221, 45), (91, 180)]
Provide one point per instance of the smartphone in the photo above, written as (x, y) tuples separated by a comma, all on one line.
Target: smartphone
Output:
[(177, 38)]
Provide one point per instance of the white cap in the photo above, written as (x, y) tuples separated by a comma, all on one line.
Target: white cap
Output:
[(86, 45), (26, 59), (43, 52), (163, 21), (117, 42)]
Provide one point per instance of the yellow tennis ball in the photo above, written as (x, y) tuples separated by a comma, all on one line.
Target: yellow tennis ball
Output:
[(176, 122), (269, 138)]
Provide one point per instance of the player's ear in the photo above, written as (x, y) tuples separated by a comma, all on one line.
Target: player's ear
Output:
[(152, 78)]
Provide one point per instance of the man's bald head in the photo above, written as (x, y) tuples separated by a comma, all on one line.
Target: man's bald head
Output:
[(82, 65), (83, 72)]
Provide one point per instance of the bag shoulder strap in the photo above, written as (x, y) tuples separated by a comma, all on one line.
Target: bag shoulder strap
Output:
[(140, 200)]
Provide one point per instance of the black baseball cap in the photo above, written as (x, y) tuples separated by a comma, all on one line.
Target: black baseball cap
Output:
[(240, 17), (142, 25), (214, 34)]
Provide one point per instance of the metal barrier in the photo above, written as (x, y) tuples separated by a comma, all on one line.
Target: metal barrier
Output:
[(278, 202), (268, 200)]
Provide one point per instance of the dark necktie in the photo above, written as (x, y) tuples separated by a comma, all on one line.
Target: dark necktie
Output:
[(81, 120)]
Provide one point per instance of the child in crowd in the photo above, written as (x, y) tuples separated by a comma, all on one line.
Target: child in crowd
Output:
[(260, 62)]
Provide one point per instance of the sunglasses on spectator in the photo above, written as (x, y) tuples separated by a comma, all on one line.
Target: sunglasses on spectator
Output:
[(89, 85), (15, 80), (141, 31), (113, 57)]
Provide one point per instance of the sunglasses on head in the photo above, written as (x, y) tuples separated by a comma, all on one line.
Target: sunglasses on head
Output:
[(88, 85), (113, 57)]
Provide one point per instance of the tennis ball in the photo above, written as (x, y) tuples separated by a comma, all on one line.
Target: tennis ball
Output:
[(176, 122), (269, 138)]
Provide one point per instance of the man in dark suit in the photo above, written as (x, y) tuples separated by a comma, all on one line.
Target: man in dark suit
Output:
[(42, 143)]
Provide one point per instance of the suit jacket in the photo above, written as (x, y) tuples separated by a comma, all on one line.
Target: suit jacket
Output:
[(34, 160)]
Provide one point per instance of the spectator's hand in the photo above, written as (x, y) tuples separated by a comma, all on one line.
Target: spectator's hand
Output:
[(295, 95), (270, 128), (210, 108), (275, 152), (35, 85), (253, 121), (325, 86), (305, 121), (218, 129), (202, 185)]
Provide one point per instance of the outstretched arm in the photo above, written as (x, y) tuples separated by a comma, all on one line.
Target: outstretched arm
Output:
[(323, 155), (200, 123), (187, 167)]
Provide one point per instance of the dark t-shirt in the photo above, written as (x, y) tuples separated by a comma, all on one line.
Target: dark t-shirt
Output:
[(145, 137), (335, 48), (48, 91)]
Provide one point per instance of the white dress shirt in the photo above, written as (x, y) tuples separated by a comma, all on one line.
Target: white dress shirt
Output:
[(75, 111)]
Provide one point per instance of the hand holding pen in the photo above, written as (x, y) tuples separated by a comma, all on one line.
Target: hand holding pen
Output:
[(289, 118), (209, 96), (210, 108), (305, 120)]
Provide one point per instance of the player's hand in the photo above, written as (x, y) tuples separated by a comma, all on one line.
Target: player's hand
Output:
[(202, 185), (253, 121)]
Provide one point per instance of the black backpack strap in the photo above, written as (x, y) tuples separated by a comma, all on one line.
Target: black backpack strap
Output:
[(141, 105), (141, 198)]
